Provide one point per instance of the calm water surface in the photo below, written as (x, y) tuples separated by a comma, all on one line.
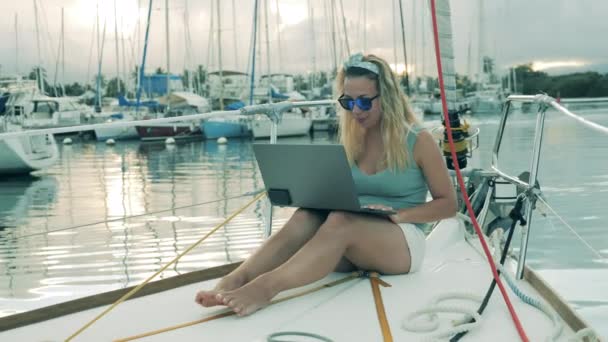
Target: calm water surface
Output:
[(63, 234)]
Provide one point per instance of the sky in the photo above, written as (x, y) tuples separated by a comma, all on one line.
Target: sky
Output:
[(556, 35)]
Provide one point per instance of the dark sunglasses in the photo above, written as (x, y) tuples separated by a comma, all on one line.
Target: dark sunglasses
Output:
[(364, 103)]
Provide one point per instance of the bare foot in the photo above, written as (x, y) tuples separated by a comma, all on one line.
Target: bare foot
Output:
[(228, 283), (248, 298)]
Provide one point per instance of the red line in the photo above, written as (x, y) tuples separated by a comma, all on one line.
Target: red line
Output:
[(520, 329)]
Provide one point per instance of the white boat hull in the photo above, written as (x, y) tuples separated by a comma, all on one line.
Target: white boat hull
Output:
[(25, 154), (289, 126), (324, 124), (117, 133)]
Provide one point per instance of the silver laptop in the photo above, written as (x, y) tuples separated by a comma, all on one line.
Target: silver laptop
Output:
[(315, 176)]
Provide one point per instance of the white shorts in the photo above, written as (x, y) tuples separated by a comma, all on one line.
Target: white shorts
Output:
[(416, 241)]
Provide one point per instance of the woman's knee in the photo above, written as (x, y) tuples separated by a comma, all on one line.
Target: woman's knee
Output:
[(302, 223), (307, 215), (340, 218), (338, 223)]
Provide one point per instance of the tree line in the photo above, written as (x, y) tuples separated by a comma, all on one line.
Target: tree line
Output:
[(579, 84), (529, 82)]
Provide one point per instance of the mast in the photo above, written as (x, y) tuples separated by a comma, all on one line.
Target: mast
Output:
[(188, 42), (254, 46), (414, 46), (314, 40), (211, 36), (143, 58), (514, 70), (407, 79), (100, 45), (344, 29), (60, 57), (333, 35), (17, 43), (138, 78), (210, 51), (100, 56), (236, 50), (168, 54), (425, 12), (479, 46), (124, 57), (469, 70), (39, 71), (267, 50), (395, 35), (509, 80), (62, 54), (279, 35), (58, 60), (364, 26), (219, 53), (117, 50)]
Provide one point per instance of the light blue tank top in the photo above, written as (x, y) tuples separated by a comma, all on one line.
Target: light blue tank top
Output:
[(398, 189)]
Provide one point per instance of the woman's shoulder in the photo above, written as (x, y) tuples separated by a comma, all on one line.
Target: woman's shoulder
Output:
[(417, 127), (413, 131)]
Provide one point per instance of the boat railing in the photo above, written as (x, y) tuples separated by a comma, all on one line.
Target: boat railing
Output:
[(532, 192)]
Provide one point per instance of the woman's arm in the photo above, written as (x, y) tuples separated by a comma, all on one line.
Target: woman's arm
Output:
[(430, 160)]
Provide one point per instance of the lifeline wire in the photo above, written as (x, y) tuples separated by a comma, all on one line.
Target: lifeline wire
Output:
[(134, 216), (132, 292), (597, 254)]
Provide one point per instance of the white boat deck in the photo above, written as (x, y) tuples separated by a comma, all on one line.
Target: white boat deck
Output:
[(345, 312)]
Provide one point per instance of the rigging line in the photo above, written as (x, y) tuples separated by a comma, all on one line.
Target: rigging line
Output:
[(124, 218), (49, 41), (90, 54), (162, 269), (597, 253), (45, 29), (579, 118), (442, 86), (344, 28), (406, 72)]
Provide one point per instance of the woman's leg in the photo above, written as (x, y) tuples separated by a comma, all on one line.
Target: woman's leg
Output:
[(302, 225), (368, 242)]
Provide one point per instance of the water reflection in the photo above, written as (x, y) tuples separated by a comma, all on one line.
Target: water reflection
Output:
[(26, 196), (197, 182)]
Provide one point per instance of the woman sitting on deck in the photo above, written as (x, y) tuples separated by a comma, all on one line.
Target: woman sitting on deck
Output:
[(394, 164)]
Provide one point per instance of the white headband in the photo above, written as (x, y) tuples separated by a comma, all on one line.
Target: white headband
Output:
[(357, 61)]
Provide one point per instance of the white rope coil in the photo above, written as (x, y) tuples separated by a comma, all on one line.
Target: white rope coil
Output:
[(409, 323)]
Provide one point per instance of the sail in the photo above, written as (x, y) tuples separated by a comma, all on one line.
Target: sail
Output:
[(444, 27)]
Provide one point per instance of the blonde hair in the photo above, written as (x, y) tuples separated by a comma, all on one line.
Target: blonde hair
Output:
[(397, 116)]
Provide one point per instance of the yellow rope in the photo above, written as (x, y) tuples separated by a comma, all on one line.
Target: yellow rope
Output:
[(227, 313), (375, 280), (132, 292)]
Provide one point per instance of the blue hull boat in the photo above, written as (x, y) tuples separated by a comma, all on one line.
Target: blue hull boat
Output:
[(228, 128)]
